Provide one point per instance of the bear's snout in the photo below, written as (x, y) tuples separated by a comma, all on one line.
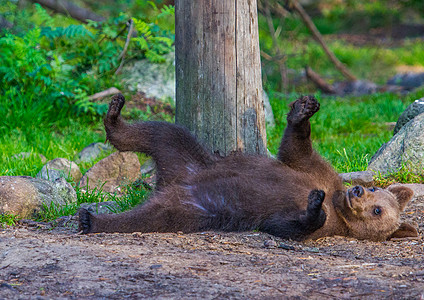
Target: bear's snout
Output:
[(357, 191)]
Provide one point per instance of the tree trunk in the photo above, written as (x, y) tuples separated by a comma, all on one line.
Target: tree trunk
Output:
[(218, 74)]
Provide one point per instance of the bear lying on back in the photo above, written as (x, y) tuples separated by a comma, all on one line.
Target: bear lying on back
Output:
[(299, 196)]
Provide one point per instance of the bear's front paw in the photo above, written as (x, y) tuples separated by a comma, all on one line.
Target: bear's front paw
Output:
[(315, 200), (115, 106), (303, 109), (84, 221)]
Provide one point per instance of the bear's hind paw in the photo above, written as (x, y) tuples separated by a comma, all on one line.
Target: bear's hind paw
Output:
[(115, 106), (84, 221)]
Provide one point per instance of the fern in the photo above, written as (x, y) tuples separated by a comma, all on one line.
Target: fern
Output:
[(43, 18), (167, 11)]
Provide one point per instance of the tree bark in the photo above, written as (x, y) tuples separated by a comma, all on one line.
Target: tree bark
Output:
[(218, 74), (71, 9)]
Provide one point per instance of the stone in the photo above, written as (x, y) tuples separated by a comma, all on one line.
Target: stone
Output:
[(364, 178), (25, 196), (406, 148), (25, 155), (109, 174), (355, 88), (92, 152), (269, 115), (413, 110), (409, 80), (154, 79), (60, 167), (148, 167)]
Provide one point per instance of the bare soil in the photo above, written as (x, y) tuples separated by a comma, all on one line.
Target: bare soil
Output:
[(55, 262)]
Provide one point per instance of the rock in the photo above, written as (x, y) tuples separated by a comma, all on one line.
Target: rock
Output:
[(25, 196), (364, 178), (269, 115), (270, 244), (409, 80), (117, 169), (355, 88), (405, 148), (148, 167), (60, 167), (155, 80), (92, 152), (99, 208), (25, 155), (413, 110)]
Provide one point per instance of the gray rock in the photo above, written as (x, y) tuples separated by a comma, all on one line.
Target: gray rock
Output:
[(92, 152), (405, 148), (148, 167), (413, 110), (408, 80), (269, 115), (110, 173), (25, 155), (364, 178), (99, 208), (25, 196), (355, 88), (153, 79), (60, 167)]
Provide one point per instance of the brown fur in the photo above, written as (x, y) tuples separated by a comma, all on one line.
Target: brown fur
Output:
[(298, 196)]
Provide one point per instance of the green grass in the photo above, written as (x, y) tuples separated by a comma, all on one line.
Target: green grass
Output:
[(8, 220), (401, 176)]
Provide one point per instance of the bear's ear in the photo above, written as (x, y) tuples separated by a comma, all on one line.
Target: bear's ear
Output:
[(403, 195), (404, 230)]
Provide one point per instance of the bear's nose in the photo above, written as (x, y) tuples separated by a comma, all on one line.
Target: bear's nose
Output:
[(358, 191)]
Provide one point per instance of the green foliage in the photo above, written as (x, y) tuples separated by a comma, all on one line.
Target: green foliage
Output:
[(8, 220), (62, 65)]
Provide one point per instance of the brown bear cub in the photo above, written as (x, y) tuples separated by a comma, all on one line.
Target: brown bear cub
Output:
[(299, 196)]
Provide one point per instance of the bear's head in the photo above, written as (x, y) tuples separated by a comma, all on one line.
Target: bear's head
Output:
[(374, 213)]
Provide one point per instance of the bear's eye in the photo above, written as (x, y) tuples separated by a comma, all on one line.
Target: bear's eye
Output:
[(377, 211), (373, 189)]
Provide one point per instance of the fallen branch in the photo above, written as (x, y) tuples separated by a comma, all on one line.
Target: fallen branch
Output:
[(319, 82), (127, 42), (105, 93), (71, 9), (318, 37)]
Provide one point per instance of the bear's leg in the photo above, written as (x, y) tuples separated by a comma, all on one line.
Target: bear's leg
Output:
[(174, 149), (162, 213), (300, 226), (296, 143)]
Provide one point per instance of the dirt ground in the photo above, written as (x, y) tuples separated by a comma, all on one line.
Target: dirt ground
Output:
[(40, 261)]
